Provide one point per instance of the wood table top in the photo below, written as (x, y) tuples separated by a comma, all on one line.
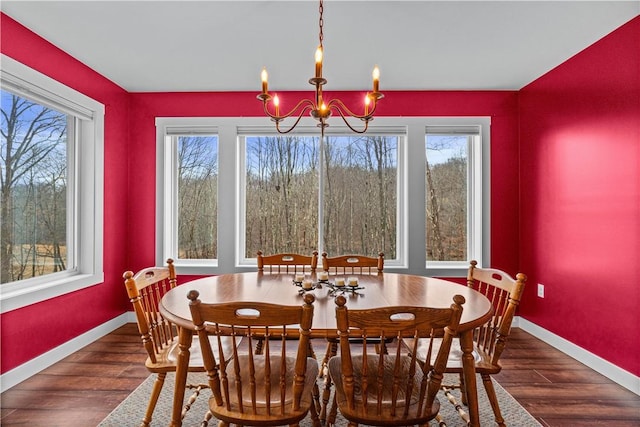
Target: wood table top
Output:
[(380, 290)]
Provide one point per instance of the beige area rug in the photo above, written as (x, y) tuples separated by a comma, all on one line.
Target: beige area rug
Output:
[(130, 412)]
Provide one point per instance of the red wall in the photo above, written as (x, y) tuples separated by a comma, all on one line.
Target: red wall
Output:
[(580, 198), (577, 209), (501, 106), (130, 138), (28, 332)]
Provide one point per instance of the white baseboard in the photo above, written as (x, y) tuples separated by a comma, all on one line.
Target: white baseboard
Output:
[(32, 367), (598, 364)]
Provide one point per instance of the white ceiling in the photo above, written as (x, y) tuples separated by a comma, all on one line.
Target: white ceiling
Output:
[(163, 46)]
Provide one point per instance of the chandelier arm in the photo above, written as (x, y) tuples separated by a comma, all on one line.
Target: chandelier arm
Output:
[(310, 105), (278, 120), (344, 119), (340, 106)]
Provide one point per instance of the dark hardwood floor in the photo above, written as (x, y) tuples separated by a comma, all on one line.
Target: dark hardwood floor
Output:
[(83, 388)]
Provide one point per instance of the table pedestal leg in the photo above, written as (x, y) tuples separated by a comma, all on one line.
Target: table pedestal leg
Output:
[(185, 337), (469, 372)]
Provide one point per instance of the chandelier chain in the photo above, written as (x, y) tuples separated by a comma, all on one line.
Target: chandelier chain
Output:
[(321, 22)]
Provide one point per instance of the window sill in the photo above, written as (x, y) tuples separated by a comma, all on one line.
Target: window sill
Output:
[(21, 296)]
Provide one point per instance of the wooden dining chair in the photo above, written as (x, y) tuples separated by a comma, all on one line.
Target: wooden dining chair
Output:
[(353, 264), (159, 336), (390, 389), (257, 390), (345, 265), (489, 339), (287, 263)]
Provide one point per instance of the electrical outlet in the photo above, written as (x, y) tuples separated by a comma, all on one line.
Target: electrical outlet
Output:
[(540, 290)]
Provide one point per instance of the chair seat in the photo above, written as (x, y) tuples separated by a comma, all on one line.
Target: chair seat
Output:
[(228, 414), (273, 389), (454, 362), (275, 363), (369, 414), (168, 356)]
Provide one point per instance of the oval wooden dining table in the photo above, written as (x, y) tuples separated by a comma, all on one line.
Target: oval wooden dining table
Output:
[(379, 290)]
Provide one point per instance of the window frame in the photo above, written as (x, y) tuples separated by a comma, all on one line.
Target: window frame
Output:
[(411, 195), (309, 129), (475, 195), (168, 130), (86, 169)]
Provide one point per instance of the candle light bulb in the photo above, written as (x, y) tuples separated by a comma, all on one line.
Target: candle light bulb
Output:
[(376, 78), (367, 101), (276, 103), (319, 62), (264, 76)]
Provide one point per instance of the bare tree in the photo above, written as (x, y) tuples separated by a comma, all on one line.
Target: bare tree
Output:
[(52, 209), (446, 193), (30, 132), (280, 201), (433, 215), (197, 197), (361, 194)]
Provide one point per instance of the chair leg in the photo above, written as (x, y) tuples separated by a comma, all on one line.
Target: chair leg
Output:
[(493, 399), (207, 418), (326, 393), (332, 350), (315, 421), (317, 407), (311, 352), (194, 396), (458, 407), (463, 390), (153, 400), (439, 420), (325, 359), (259, 345), (333, 412), (316, 390), (381, 348)]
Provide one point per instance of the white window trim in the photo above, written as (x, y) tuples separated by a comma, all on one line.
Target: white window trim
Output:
[(478, 201), (89, 190), (411, 195), (312, 130), (167, 188)]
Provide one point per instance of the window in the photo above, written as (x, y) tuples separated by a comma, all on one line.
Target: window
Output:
[(358, 191), (453, 190), (51, 188), (375, 192), (280, 194), (191, 204)]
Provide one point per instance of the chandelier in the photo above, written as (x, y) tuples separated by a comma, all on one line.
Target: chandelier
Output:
[(318, 108)]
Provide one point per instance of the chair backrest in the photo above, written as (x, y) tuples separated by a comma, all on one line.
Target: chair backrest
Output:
[(287, 263), (145, 289), (237, 380), (504, 292), (377, 385), (353, 264)]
